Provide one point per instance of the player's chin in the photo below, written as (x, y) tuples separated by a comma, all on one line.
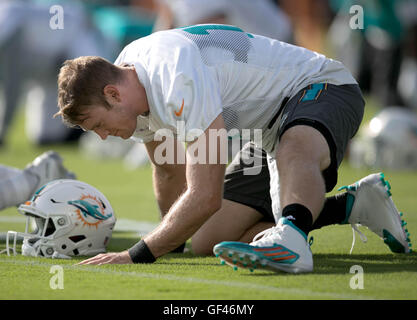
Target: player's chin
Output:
[(125, 135)]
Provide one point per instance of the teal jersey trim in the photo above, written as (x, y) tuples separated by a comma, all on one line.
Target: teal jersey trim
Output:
[(202, 29)]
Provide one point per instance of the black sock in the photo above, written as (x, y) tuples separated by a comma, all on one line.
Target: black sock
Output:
[(180, 249), (333, 212), (299, 215)]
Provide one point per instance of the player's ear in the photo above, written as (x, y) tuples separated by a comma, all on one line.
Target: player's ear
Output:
[(111, 93)]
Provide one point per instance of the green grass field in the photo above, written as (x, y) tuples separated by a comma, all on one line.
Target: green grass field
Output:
[(186, 276)]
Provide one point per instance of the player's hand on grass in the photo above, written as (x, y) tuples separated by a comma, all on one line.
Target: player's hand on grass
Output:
[(109, 258)]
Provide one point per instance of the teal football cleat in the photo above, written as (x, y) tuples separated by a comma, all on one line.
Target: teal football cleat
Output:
[(369, 203), (280, 248)]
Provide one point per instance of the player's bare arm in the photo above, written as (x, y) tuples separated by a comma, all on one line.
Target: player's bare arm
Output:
[(201, 199), (169, 180)]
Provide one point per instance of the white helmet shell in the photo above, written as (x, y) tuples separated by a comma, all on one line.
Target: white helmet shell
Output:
[(389, 141), (72, 218)]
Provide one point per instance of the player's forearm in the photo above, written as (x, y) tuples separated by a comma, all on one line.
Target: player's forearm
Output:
[(169, 184), (186, 216)]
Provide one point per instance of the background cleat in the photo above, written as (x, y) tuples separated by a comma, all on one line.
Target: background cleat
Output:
[(48, 167)]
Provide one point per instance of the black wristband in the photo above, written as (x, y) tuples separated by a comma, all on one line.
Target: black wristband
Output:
[(140, 253)]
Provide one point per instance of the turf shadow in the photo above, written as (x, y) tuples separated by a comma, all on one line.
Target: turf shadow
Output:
[(341, 263), (372, 263), (334, 263)]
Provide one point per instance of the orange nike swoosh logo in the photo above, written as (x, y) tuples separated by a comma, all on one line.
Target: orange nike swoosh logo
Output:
[(178, 113)]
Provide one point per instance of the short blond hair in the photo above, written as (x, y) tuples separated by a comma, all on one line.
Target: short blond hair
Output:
[(81, 83)]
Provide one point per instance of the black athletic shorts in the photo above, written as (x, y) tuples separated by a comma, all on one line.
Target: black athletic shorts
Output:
[(249, 189), (335, 111)]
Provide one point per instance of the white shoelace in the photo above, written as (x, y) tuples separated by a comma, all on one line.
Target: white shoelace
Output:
[(361, 235), (266, 233)]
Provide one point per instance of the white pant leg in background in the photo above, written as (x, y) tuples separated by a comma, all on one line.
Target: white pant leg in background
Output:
[(16, 186), (40, 126)]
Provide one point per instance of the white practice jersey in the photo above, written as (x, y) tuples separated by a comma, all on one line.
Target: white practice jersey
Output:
[(193, 74)]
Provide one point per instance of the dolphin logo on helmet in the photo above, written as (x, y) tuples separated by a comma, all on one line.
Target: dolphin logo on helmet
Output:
[(89, 209)]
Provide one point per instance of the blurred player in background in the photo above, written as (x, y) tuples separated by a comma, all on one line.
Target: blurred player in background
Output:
[(260, 17), (33, 45), (382, 53)]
